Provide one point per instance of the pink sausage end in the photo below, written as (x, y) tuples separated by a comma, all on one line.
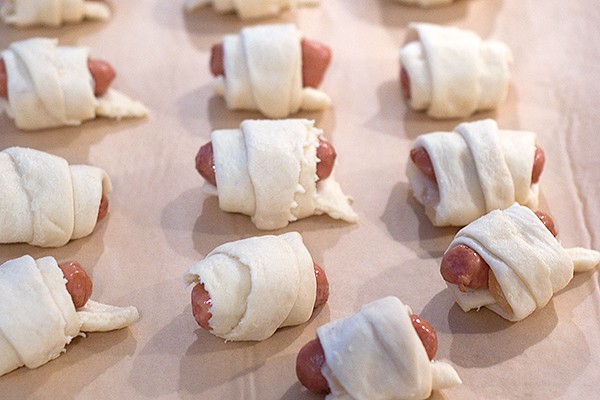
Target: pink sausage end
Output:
[(201, 304), (103, 74), (79, 285), (322, 286), (405, 83), (309, 361)]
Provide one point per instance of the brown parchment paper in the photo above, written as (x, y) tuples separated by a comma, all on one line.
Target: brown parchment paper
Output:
[(160, 222)]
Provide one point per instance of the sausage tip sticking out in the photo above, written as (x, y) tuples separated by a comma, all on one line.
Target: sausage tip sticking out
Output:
[(311, 356), (326, 155), (3, 80), (427, 334), (539, 159), (102, 73), (322, 285), (103, 208), (315, 60), (547, 221), (79, 285), (201, 304), (205, 161), (309, 361), (217, 65), (405, 83)]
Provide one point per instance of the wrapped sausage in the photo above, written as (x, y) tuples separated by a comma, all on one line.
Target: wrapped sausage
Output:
[(478, 168), (257, 285), (527, 263), (50, 86), (38, 317), (377, 354), (268, 170), (23, 13), (452, 73), (46, 202), (263, 72)]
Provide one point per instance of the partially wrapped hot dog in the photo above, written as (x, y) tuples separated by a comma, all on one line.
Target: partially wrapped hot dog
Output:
[(44, 85), (24, 13), (510, 262), (271, 69), (382, 352), (47, 202), (249, 8), (452, 73), (44, 305), (461, 175), (274, 171), (247, 289)]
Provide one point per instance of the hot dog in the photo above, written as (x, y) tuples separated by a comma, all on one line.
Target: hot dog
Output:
[(79, 285), (206, 167), (462, 266), (315, 60), (102, 73), (311, 357), (421, 158), (201, 301)]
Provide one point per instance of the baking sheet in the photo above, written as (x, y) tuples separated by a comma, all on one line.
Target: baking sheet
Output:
[(160, 222)]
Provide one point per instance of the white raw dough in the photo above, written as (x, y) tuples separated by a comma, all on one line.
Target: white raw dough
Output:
[(267, 169), (377, 354), (257, 285), (37, 316), (453, 73), (478, 168), (529, 264), (22, 13), (263, 72), (249, 8), (50, 86), (44, 201)]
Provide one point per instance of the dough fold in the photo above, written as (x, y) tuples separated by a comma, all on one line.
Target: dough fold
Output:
[(478, 168), (50, 86), (453, 73), (249, 8), (267, 170), (37, 316), (377, 354), (257, 285), (44, 201), (529, 264), (263, 71), (23, 13)]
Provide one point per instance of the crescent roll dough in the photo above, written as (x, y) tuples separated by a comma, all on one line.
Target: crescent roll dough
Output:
[(23, 13), (38, 318), (263, 72), (377, 354), (249, 8), (425, 3), (44, 201), (50, 86), (453, 73), (478, 168), (529, 264), (267, 169), (257, 285)]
